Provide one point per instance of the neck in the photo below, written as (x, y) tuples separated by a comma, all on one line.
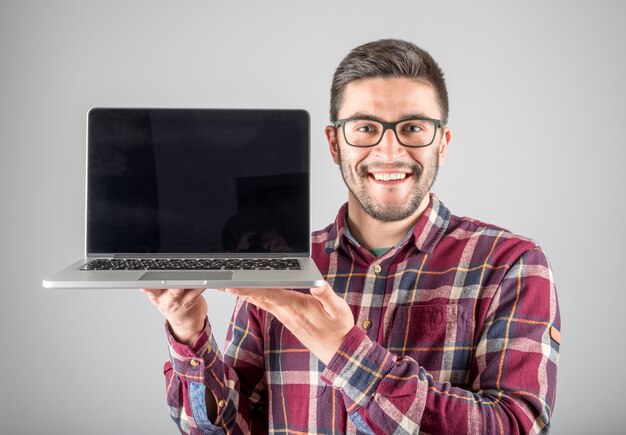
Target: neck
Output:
[(374, 234)]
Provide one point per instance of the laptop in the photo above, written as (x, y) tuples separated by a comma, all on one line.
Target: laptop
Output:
[(188, 198)]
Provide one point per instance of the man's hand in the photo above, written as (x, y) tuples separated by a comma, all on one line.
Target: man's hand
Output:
[(320, 320), (184, 309)]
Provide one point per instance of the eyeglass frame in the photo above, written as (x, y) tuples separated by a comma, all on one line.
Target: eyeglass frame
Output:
[(388, 126)]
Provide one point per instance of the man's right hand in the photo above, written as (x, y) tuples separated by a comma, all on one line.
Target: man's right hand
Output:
[(184, 309)]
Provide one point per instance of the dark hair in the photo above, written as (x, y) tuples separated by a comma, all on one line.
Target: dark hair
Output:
[(387, 58)]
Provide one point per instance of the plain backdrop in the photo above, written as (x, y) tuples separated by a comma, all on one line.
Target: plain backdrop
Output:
[(537, 114)]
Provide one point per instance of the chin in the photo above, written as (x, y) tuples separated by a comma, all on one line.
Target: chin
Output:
[(390, 213)]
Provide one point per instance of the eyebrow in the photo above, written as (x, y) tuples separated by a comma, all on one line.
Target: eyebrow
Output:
[(366, 115)]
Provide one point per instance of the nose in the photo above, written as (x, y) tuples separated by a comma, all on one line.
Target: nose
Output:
[(389, 148)]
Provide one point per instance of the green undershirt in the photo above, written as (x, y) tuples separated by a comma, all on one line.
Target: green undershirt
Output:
[(379, 251)]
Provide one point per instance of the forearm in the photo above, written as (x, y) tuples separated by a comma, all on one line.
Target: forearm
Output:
[(187, 333), (390, 393), (453, 410), (204, 391), (510, 380)]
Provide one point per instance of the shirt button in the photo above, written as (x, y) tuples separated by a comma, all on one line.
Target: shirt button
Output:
[(221, 403), (194, 363), (377, 269), (367, 324)]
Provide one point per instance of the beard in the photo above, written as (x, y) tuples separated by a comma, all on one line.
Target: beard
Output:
[(423, 181)]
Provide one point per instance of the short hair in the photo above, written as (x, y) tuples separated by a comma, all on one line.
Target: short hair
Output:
[(387, 58)]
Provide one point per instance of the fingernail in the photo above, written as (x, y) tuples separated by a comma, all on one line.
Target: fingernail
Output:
[(232, 291)]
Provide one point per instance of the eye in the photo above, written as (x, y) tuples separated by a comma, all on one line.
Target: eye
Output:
[(413, 128), (366, 128)]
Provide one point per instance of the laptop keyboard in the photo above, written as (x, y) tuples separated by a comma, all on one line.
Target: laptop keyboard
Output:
[(192, 264)]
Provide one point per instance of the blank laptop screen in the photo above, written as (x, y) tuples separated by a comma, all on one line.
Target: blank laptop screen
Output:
[(197, 181)]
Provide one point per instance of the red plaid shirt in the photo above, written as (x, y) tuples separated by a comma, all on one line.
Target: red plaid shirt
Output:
[(457, 331)]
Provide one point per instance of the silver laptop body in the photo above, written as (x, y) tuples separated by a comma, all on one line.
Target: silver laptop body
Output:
[(186, 198)]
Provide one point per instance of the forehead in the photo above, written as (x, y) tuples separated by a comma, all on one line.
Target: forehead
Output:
[(389, 99)]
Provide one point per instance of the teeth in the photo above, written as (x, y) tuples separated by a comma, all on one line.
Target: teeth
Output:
[(387, 177)]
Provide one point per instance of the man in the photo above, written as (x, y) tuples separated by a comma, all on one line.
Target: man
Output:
[(427, 322)]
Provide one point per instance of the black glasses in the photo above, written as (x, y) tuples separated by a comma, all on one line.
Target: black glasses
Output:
[(413, 132)]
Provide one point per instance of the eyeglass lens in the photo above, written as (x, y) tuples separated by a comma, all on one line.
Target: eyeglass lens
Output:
[(413, 132)]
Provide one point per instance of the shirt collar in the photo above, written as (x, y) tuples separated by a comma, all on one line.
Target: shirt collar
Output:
[(428, 230)]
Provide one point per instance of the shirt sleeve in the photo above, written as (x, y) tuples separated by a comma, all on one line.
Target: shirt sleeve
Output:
[(235, 379), (512, 385)]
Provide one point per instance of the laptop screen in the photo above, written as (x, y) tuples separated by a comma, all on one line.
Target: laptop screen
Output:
[(197, 181)]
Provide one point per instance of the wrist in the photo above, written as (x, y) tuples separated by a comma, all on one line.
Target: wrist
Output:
[(326, 354), (186, 333), (325, 350)]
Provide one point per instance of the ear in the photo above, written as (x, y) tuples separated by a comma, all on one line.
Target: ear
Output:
[(331, 136), (443, 144)]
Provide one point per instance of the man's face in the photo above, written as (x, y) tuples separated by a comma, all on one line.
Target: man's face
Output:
[(389, 181)]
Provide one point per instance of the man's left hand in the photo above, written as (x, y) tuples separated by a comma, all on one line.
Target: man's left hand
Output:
[(320, 320)]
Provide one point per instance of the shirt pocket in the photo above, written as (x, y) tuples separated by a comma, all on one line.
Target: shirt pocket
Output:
[(293, 370), (437, 337)]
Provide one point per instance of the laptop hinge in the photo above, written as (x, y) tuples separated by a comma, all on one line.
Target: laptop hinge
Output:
[(229, 255)]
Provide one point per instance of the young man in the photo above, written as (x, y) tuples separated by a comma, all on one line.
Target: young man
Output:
[(427, 322)]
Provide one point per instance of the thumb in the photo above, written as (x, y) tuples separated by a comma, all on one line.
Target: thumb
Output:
[(327, 297)]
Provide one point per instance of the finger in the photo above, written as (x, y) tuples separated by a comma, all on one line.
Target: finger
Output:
[(192, 293), (153, 293), (259, 303), (276, 297), (183, 296), (332, 303), (263, 294), (176, 292), (273, 300)]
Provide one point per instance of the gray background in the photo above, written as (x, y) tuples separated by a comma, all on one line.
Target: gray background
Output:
[(537, 109)]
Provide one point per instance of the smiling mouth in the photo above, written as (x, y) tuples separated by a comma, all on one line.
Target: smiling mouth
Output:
[(388, 177)]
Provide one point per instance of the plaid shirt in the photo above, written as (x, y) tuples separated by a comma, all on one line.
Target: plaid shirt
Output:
[(457, 331)]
